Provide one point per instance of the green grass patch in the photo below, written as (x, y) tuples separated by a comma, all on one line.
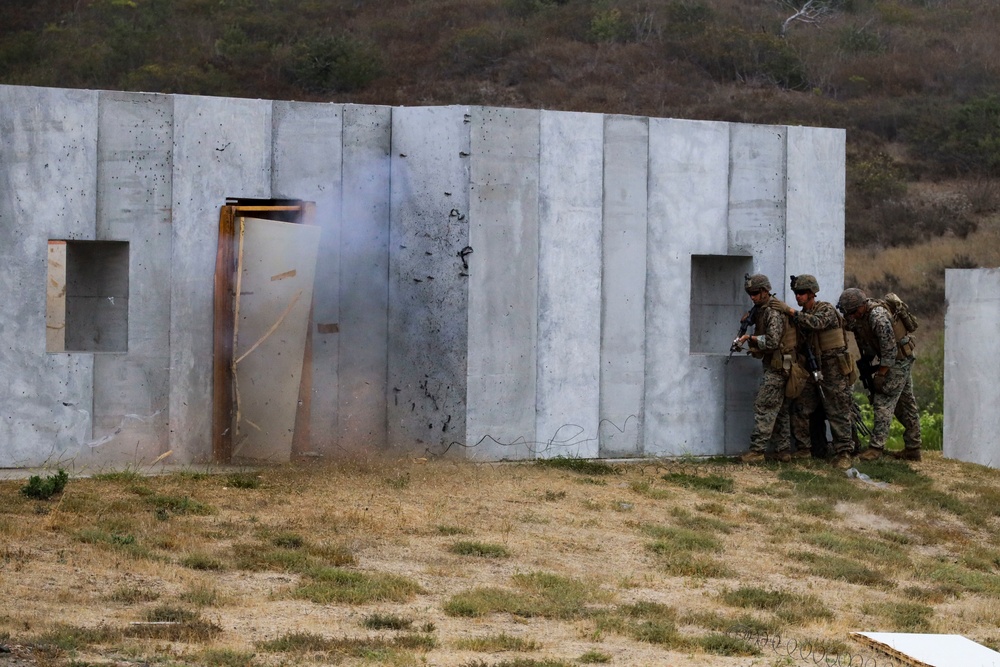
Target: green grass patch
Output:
[(953, 577), (386, 622), (128, 594), (258, 557), (821, 509), (701, 566), (124, 543), (480, 549), (177, 624), (789, 607), (857, 546), (718, 483), (902, 616), (594, 657), (179, 505), (202, 561), (645, 488), (288, 541), (75, 638), (381, 650), (224, 657), (327, 585), (842, 569), (829, 486), (126, 475), (519, 662), (671, 540), (200, 596), (452, 530), (497, 643), (644, 621), (540, 594), (243, 480), (699, 522), (581, 466), (722, 644)]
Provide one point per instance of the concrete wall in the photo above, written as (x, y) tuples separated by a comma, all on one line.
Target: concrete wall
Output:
[(492, 283), (971, 391)]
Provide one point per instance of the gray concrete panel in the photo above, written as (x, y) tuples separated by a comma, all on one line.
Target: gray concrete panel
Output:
[(134, 171), (48, 177), (757, 199), (688, 199), (364, 279), (971, 391), (623, 292), (307, 159), (222, 148), (814, 232), (428, 295), (569, 284), (503, 283)]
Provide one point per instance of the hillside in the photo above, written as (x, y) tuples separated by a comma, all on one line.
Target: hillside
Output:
[(914, 82)]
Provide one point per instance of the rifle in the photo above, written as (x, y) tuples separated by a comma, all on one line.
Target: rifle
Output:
[(812, 365), (745, 323), (814, 368), (866, 372)]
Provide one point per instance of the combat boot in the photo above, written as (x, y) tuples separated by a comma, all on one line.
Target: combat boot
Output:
[(871, 454), (751, 457), (783, 456), (907, 455), (802, 454), (841, 461)]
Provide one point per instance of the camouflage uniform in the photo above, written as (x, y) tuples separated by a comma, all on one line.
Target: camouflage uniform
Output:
[(836, 396), (876, 339), (770, 408)]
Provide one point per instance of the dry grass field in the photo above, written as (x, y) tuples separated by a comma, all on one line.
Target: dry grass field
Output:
[(548, 564)]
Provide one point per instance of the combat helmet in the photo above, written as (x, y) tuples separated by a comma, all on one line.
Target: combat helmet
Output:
[(851, 299), (757, 281), (805, 282)]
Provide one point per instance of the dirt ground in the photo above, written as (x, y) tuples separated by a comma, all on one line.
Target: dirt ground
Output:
[(401, 517)]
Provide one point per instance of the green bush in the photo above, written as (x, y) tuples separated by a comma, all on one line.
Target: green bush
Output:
[(736, 54), (484, 45), (338, 63), (609, 26), (43, 489), (967, 142)]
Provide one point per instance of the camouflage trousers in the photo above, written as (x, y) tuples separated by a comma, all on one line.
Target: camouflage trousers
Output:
[(836, 399), (896, 398), (770, 414)]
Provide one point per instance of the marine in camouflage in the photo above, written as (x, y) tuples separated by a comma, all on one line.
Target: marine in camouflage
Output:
[(770, 407), (875, 337), (836, 396)]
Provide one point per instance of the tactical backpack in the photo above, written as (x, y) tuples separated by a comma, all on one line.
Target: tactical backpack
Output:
[(903, 324), (900, 311)]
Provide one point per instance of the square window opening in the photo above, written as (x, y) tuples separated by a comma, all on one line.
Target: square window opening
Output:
[(717, 301), (87, 296)]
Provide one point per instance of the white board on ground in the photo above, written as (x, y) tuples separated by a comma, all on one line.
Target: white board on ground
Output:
[(926, 650)]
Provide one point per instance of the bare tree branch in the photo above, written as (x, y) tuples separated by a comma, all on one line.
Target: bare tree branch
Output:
[(811, 12)]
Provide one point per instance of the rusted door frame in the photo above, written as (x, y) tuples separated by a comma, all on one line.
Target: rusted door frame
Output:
[(226, 261)]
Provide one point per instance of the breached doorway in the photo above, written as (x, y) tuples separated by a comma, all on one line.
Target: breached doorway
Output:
[(265, 268)]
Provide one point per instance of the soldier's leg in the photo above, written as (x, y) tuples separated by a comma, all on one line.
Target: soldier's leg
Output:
[(819, 445), (884, 405), (840, 414), (781, 435), (769, 402), (802, 410), (908, 415)]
